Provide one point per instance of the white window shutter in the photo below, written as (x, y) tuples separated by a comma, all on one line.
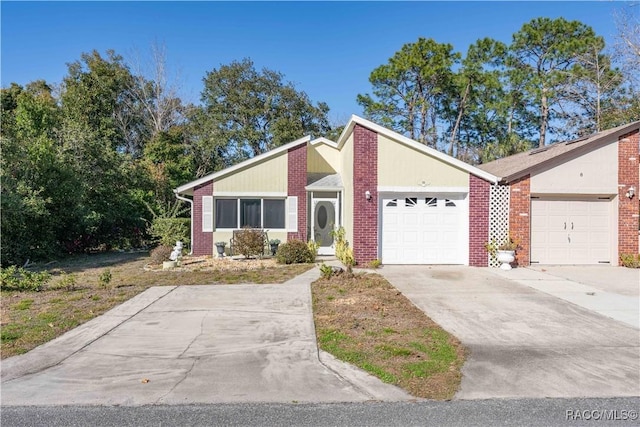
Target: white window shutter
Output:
[(292, 214), (207, 213)]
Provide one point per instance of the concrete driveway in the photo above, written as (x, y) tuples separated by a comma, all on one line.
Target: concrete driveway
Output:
[(524, 342), (193, 344)]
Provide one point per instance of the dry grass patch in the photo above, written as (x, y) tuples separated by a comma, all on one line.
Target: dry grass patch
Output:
[(363, 320), (84, 287)]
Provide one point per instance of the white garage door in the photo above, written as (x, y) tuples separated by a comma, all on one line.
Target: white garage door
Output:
[(423, 230), (570, 231)]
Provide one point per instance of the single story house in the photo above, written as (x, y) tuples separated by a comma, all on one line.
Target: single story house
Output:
[(402, 202), (575, 202)]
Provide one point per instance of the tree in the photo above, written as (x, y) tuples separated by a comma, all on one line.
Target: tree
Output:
[(251, 112), (409, 91), (155, 94), (628, 40), (476, 91), (589, 87), (543, 52)]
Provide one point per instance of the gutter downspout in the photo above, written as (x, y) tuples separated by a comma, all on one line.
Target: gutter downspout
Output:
[(184, 199)]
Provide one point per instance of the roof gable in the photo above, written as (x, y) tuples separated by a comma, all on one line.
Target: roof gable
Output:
[(521, 164), (488, 176), (242, 165)]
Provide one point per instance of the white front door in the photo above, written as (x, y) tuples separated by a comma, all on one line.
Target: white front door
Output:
[(570, 231), (323, 223), (425, 229)]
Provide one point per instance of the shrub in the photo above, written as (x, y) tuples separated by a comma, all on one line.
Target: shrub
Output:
[(630, 260), (249, 242), (67, 282), (168, 231), (294, 252), (105, 277), (343, 252), (375, 263), (167, 227), (19, 279), (326, 271), (313, 247), (160, 254)]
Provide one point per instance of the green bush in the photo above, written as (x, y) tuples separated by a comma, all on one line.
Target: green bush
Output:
[(249, 242), (105, 277), (343, 252), (326, 271), (168, 231), (19, 279), (630, 260), (167, 226), (160, 254), (294, 252), (375, 263), (67, 282)]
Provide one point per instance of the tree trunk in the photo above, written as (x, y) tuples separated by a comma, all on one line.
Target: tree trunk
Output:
[(544, 117), (461, 107)]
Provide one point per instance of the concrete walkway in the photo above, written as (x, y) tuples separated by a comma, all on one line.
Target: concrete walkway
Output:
[(611, 291), (523, 343), (193, 344)]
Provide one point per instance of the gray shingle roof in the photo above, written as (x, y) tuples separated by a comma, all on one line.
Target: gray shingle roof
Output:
[(324, 181), (518, 165)]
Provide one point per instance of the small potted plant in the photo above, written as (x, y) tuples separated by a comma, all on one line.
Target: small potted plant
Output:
[(220, 247), (504, 252), (274, 246)]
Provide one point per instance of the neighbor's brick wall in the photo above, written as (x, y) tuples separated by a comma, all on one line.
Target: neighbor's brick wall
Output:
[(365, 178), (628, 210), (296, 183), (202, 242), (519, 218), (478, 221)]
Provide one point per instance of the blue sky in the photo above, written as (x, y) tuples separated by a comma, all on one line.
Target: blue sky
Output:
[(327, 49)]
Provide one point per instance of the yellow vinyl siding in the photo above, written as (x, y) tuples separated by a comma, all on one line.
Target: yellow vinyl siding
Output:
[(322, 158), (403, 166), (268, 176)]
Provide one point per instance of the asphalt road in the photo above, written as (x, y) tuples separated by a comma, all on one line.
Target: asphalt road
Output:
[(495, 412)]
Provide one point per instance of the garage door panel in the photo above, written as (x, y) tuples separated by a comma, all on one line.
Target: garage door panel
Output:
[(422, 230), (570, 231)]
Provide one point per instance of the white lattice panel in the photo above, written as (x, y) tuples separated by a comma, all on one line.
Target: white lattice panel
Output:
[(498, 217)]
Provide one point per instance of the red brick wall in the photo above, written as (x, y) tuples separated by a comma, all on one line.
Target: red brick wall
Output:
[(519, 218), (628, 209), (478, 221), (365, 178), (202, 242), (297, 181)]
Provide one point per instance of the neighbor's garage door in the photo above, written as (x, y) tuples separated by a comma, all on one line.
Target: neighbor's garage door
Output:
[(423, 230), (570, 231)]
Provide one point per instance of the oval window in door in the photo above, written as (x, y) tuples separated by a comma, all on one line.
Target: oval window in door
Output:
[(322, 217)]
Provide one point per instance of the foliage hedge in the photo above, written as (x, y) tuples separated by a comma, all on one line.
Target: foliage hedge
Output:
[(294, 252)]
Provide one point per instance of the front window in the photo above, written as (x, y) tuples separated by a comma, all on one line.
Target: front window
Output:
[(256, 213), (227, 213), (273, 213), (250, 213)]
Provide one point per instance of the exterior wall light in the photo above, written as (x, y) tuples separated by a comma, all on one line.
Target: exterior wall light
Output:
[(631, 192), (367, 194)]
